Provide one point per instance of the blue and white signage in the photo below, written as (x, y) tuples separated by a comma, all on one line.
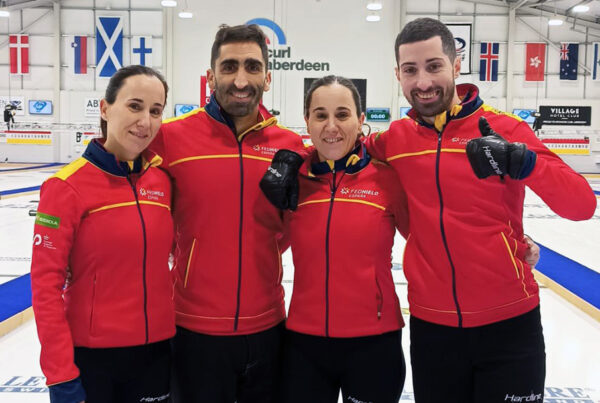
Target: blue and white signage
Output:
[(182, 109), (40, 107)]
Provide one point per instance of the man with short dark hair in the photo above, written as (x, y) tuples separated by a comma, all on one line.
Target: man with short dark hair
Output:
[(227, 264), (475, 327)]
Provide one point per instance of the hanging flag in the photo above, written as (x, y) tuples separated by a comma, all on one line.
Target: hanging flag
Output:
[(19, 54), (141, 50), (488, 61), (596, 65), (569, 54), (109, 45), (535, 61), (79, 45)]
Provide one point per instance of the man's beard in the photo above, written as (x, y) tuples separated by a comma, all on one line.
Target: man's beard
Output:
[(434, 109), (238, 109)]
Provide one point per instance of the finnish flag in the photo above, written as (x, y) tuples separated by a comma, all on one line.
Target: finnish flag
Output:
[(596, 65), (141, 50), (109, 45)]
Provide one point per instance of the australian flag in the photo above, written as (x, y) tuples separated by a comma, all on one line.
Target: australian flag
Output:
[(488, 61), (569, 54)]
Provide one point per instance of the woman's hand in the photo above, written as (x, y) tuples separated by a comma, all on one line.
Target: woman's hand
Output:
[(532, 256)]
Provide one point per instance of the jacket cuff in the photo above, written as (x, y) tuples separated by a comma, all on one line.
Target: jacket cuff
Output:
[(67, 392)]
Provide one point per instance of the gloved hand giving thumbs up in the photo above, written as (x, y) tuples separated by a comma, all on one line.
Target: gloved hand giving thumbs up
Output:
[(491, 154)]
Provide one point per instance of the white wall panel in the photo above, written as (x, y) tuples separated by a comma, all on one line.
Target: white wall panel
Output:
[(77, 22), (41, 50), (45, 22), (38, 78), (146, 23)]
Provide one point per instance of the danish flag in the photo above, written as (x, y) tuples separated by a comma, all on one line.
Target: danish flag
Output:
[(19, 54)]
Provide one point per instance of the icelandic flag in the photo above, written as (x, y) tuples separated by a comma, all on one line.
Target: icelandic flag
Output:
[(141, 50), (569, 54), (596, 65), (79, 45), (488, 61), (109, 45)]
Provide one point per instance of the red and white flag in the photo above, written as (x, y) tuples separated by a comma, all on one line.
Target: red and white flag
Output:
[(19, 54), (535, 62)]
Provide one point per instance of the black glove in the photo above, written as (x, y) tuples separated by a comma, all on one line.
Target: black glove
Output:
[(280, 182), (491, 154)]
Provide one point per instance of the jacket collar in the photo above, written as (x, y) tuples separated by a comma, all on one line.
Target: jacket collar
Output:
[(469, 93), (98, 156), (215, 111), (353, 162)]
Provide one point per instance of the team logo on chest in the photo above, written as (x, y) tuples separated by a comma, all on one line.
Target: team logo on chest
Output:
[(358, 193), (151, 194), (265, 150)]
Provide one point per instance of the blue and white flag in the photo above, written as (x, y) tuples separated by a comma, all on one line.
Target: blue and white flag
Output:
[(109, 45), (596, 65), (569, 54), (141, 50)]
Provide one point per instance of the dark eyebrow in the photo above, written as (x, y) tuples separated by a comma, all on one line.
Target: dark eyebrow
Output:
[(230, 61), (319, 108), (343, 108), (434, 59), (137, 100), (253, 60)]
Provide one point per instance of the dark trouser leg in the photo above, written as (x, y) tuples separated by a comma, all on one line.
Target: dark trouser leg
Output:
[(511, 361), (125, 374), (309, 373), (149, 380), (204, 367), (261, 375), (96, 377), (441, 367), (374, 368)]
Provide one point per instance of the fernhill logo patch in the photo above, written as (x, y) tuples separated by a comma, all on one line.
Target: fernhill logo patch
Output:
[(47, 220)]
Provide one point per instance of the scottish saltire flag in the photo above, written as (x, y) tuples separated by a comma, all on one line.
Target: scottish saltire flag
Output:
[(109, 45), (569, 54), (488, 61), (596, 65), (141, 50), (79, 45)]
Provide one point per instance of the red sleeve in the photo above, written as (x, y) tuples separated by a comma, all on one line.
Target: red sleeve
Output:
[(399, 205), (566, 192), (56, 224), (284, 240), (376, 144)]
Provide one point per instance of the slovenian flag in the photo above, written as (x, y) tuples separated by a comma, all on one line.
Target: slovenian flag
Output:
[(79, 45)]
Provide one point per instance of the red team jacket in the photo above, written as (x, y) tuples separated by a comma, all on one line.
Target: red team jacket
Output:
[(228, 235), (341, 237), (464, 258), (106, 234)]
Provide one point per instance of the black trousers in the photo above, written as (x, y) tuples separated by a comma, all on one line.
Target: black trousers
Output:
[(226, 369), (500, 362), (125, 374), (366, 369)]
